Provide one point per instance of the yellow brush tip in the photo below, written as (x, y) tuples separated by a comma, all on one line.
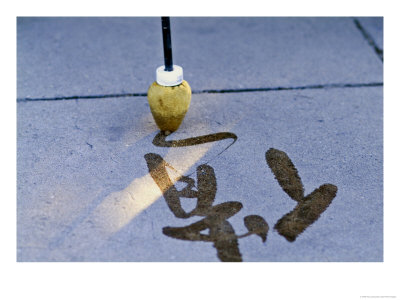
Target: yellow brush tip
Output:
[(169, 104)]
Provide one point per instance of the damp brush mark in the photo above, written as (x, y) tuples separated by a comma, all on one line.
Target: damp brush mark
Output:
[(160, 141), (215, 217), (306, 212), (309, 208)]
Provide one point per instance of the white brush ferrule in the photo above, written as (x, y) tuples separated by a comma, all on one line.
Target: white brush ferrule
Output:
[(169, 78)]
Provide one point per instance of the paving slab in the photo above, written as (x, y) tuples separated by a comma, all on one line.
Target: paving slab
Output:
[(62, 57), (91, 174)]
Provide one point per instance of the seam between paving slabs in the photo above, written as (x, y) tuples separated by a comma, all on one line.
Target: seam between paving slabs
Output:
[(369, 38), (213, 91)]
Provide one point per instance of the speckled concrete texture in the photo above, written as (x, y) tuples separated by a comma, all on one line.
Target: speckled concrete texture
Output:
[(94, 56), (374, 26)]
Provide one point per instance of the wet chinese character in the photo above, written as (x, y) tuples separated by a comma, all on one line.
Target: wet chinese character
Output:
[(309, 208), (220, 231)]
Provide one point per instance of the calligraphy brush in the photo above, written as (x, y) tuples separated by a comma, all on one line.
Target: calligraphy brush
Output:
[(169, 96)]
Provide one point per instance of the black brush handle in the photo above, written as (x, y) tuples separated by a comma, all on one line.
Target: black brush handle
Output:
[(166, 30)]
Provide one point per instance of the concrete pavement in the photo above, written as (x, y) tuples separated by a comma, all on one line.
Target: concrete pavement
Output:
[(308, 87)]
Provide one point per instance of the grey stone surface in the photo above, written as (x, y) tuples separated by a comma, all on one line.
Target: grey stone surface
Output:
[(374, 26), (84, 193), (90, 56), (84, 188)]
